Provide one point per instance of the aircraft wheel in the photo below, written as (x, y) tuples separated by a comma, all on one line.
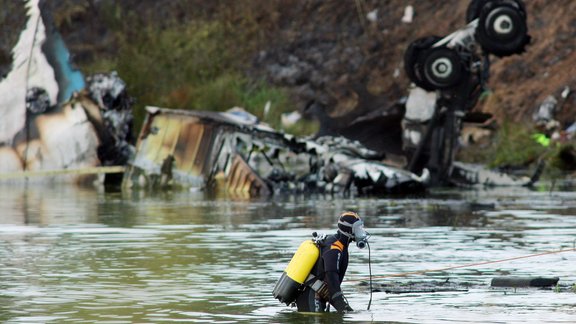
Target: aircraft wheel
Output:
[(442, 68), (502, 29)]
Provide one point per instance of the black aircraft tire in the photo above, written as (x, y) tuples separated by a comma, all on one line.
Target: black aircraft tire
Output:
[(442, 68), (473, 10), (502, 29), (413, 58), (475, 7)]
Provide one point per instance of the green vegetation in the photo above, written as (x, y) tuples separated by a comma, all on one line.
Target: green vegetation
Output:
[(512, 145), (194, 65), (199, 60), (520, 146), (515, 146)]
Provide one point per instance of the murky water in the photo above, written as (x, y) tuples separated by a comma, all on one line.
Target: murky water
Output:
[(81, 255)]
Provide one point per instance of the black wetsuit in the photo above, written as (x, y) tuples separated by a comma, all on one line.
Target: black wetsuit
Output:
[(331, 268)]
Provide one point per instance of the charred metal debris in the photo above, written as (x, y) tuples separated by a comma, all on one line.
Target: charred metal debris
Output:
[(222, 151), (217, 150), (504, 284), (52, 119)]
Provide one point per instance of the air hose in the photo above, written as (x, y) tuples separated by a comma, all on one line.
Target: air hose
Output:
[(370, 272)]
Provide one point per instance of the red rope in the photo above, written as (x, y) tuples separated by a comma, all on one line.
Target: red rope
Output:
[(405, 274)]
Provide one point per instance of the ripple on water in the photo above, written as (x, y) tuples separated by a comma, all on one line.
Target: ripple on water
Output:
[(188, 258)]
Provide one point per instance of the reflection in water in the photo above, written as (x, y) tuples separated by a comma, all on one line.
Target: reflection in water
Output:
[(73, 254), (44, 205)]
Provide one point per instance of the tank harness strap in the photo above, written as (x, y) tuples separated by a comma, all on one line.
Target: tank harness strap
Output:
[(319, 286)]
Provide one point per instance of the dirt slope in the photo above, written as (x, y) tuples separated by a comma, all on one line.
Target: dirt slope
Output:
[(343, 59), (368, 71)]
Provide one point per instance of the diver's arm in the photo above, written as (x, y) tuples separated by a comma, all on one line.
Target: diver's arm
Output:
[(333, 281), (332, 278)]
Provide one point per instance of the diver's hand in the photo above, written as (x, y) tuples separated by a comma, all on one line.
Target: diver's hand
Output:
[(348, 309), (340, 303)]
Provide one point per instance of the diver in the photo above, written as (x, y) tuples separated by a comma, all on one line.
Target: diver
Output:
[(312, 287)]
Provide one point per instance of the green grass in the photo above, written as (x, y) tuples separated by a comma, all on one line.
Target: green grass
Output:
[(512, 145), (198, 66), (515, 146)]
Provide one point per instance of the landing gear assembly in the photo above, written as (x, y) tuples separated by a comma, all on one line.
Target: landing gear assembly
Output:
[(456, 67)]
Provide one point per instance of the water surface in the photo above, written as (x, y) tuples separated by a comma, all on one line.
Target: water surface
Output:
[(71, 254)]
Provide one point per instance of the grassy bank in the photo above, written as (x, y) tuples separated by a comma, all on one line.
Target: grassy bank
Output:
[(195, 55), (515, 148), (195, 65)]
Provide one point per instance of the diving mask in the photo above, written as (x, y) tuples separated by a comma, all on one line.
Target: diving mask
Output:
[(359, 234)]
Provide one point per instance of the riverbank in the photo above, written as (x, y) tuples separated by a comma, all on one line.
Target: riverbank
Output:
[(329, 62)]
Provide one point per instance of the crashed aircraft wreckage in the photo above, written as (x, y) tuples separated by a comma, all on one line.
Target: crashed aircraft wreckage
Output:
[(449, 75), (212, 150), (224, 151), (51, 118)]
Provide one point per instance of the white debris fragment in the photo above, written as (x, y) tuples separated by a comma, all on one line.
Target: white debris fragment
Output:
[(241, 116), (267, 108), (372, 15), (546, 110), (31, 69), (289, 119), (565, 92), (408, 14), (420, 105)]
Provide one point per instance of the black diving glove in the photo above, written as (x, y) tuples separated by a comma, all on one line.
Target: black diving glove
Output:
[(340, 303)]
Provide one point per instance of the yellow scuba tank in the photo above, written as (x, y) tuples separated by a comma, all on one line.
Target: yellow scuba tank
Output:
[(286, 289)]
